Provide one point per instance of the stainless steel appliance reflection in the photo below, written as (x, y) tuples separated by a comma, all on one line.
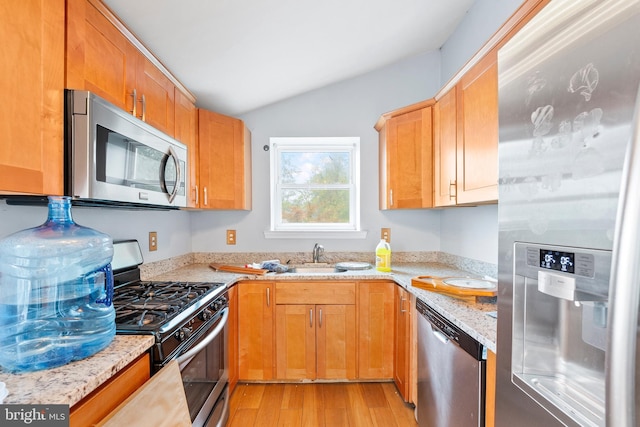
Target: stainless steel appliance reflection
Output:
[(451, 373), (189, 323), (567, 323)]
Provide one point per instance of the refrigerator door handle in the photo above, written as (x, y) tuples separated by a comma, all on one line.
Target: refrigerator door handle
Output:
[(624, 295)]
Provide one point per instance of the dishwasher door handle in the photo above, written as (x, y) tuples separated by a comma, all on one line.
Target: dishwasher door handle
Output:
[(439, 335)]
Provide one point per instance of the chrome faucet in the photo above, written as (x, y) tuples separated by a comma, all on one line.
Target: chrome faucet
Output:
[(318, 251)]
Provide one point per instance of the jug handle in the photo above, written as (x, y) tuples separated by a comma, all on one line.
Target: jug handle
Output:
[(108, 278)]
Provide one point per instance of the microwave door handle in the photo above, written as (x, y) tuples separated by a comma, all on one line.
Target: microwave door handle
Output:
[(620, 369), (176, 188), (186, 358)]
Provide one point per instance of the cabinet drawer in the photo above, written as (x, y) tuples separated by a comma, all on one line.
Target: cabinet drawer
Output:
[(315, 293)]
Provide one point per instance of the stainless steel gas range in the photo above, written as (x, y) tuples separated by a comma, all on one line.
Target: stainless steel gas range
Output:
[(188, 321)]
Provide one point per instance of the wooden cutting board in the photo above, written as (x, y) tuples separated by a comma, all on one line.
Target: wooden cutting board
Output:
[(437, 284), (238, 269)]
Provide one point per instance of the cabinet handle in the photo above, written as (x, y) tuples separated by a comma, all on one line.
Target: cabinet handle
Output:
[(320, 319), (311, 317), (206, 197), (268, 298), (197, 195), (134, 95), (452, 185), (391, 197), (402, 310), (144, 109)]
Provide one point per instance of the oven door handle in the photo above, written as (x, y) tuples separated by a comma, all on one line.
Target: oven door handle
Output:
[(186, 358)]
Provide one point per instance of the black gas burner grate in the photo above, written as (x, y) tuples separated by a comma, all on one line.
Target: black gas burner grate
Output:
[(146, 305)]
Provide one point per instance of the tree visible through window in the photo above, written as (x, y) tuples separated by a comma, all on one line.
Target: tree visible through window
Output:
[(315, 183)]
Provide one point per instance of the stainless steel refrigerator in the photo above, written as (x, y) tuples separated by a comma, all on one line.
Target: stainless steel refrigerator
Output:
[(569, 218)]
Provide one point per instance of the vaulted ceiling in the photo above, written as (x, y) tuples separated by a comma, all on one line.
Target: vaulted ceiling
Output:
[(239, 55)]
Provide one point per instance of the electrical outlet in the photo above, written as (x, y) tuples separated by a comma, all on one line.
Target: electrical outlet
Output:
[(153, 241), (385, 233), (231, 237)]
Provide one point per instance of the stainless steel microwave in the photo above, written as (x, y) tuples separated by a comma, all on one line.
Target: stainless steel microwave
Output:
[(113, 157)]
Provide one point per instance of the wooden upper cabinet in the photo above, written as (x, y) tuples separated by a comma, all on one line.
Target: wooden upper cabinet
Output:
[(477, 151), (156, 102), (224, 155), (99, 57), (406, 178), (102, 59), (444, 151), (186, 125), (32, 85)]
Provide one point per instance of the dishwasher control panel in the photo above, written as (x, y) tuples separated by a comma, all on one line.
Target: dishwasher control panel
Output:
[(452, 332)]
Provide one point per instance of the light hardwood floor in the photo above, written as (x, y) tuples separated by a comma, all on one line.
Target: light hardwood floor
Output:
[(319, 404)]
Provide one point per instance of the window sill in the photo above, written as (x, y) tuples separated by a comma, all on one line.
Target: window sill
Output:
[(315, 234)]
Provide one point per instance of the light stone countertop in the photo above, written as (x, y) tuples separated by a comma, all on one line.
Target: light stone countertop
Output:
[(471, 317), (70, 383)]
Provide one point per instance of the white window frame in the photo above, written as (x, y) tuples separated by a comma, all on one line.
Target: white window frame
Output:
[(278, 229)]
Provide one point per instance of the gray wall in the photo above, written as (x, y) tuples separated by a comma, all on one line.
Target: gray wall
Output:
[(348, 108)]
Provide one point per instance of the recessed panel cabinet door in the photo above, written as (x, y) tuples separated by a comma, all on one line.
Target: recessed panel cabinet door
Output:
[(156, 96), (444, 151), (224, 154), (31, 83), (256, 303), (376, 330), (99, 58), (336, 341), (295, 342), (477, 152)]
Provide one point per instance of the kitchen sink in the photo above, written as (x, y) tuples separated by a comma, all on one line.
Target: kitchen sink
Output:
[(319, 269)]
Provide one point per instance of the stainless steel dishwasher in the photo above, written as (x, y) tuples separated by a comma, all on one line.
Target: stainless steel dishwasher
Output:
[(451, 373)]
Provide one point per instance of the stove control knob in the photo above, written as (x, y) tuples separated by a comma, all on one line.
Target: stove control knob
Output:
[(206, 314), (183, 333)]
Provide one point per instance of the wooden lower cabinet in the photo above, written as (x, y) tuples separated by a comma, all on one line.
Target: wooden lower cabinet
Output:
[(256, 303), (490, 390), (376, 329), (108, 396), (402, 341), (315, 330), (315, 342), (232, 338)]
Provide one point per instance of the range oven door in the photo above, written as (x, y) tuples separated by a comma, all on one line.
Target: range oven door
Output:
[(204, 368)]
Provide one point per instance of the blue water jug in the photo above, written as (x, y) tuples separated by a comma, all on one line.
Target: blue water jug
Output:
[(56, 289)]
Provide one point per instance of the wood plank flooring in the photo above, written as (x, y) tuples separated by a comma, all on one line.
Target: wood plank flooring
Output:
[(319, 404)]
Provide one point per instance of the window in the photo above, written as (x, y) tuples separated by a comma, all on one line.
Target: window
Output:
[(315, 184)]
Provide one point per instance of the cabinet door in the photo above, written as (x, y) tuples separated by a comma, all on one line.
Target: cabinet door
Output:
[(477, 151), (402, 341), (376, 331), (224, 146), (444, 152), (255, 330), (409, 160), (32, 83), (336, 341), (186, 129), (99, 57), (232, 338), (156, 104), (295, 342)]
